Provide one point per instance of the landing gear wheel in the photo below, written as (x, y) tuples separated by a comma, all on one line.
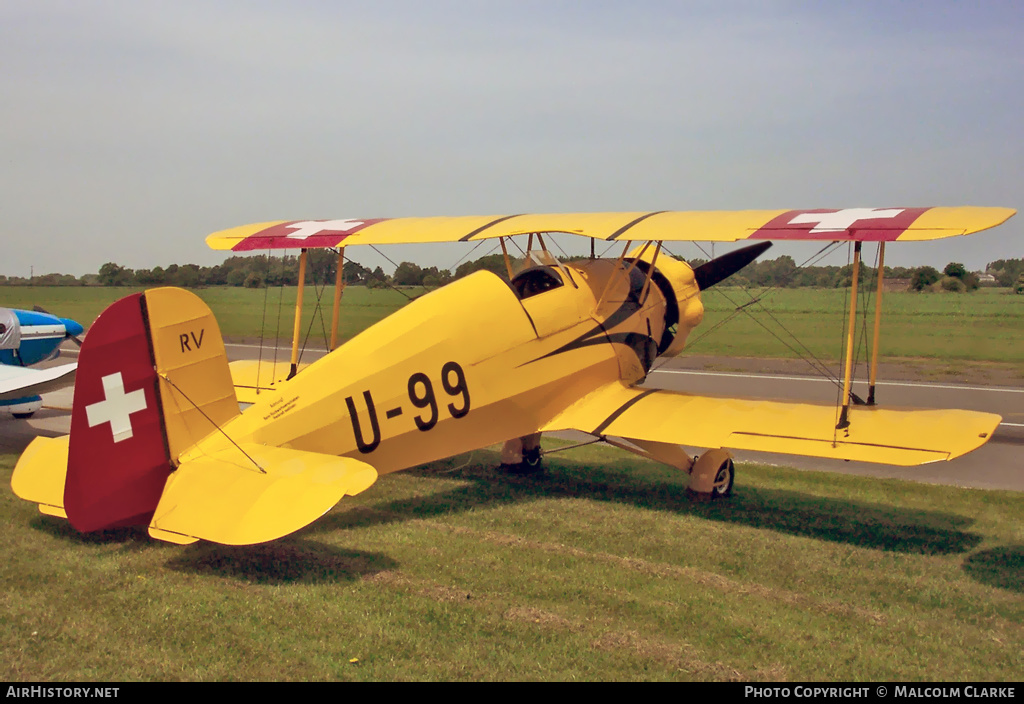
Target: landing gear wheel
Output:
[(531, 461), (522, 456), (724, 479), (531, 464), (712, 475), (23, 416)]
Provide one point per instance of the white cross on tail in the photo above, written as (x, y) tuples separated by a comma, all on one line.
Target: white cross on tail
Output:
[(116, 408)]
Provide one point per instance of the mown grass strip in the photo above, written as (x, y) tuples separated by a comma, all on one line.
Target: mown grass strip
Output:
[(603, 568)]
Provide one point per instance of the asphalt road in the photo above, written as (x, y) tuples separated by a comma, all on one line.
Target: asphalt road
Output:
[(999, 464)]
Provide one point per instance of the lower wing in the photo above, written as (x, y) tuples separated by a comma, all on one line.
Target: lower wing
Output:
[(904, 437), (19, 382)]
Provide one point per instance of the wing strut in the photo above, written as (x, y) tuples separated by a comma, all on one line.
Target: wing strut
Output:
[(504, 252), (339, 287), (844, 420), (878, 323), (298, 313), (650, 273)]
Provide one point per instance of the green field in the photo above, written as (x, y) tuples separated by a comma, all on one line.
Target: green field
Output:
[(241, 313), (983, 326), (601, 569)]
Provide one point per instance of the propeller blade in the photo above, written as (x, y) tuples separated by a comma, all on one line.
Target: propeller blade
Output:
[(721, 268)]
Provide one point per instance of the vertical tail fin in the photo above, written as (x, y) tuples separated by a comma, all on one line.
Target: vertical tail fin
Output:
[(196, 392), (152, 381)]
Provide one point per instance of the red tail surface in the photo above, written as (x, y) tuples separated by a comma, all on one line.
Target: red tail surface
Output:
[(118, 458), (153, 384)]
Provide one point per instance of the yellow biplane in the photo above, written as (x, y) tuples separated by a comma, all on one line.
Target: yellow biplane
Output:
[(158, 438)]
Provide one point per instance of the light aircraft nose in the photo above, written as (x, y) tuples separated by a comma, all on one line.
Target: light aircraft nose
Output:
[(71, 327)]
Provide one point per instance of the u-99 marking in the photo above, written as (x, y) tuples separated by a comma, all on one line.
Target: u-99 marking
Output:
[(422, 396)]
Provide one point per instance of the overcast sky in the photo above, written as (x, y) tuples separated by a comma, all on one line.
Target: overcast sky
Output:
[(131, 130)]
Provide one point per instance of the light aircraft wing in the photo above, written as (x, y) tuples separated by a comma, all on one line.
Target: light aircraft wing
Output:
[(21, 382), (904, 437), (861, 224)]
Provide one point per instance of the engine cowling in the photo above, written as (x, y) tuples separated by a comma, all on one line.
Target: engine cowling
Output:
[(683, 310), (681, 285)]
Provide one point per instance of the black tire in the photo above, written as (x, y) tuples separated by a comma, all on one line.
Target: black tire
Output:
[(23, 416), (532, 459), (531, 464), (724, 478)]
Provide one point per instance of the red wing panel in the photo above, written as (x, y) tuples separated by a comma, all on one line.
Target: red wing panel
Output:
[(865, 224), (304, 233), (117, 458)]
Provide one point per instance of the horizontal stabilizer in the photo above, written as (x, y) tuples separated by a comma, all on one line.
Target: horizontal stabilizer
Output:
[(904, 437), (39, 475), (253, 493)]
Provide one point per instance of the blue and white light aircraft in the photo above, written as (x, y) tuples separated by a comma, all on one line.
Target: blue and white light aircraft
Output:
[(28, 337)]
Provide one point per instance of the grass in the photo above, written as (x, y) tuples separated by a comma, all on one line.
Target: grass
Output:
[(243, 314), (600, 569), (986, 326)]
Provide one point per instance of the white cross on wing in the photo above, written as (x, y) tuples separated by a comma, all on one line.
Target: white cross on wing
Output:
[(841, 220), (311, 228)]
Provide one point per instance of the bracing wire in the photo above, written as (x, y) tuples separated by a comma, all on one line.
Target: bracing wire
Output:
[(866, 298), (805, 353), (263, 322), (213, 423), (318, 311), (842, 350), (464, 256)]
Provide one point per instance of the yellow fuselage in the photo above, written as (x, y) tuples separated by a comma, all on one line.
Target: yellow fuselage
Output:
[(469, 365)]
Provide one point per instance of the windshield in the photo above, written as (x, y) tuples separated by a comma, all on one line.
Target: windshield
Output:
[(10, 330)]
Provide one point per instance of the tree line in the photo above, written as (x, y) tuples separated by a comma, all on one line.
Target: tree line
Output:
[(262, 270)]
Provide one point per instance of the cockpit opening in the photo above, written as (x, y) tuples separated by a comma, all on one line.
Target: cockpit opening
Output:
[(535, 280)]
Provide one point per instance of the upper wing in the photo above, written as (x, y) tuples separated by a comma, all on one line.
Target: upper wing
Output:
[(903, 437), (21, 382), (874, 224)]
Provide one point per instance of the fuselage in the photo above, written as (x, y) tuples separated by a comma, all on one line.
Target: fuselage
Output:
[(28, 337), (472, 364), (32, 336)]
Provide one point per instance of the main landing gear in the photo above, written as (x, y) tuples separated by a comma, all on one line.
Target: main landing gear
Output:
[(522, 455), (713, 474)]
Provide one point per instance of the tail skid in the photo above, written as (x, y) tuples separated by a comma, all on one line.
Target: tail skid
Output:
[(153, 381)]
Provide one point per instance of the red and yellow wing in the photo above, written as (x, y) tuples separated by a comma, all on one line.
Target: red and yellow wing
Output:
[(861, 224)]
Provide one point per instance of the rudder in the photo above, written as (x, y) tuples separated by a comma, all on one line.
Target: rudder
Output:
[(142, 397), (153, 381)]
